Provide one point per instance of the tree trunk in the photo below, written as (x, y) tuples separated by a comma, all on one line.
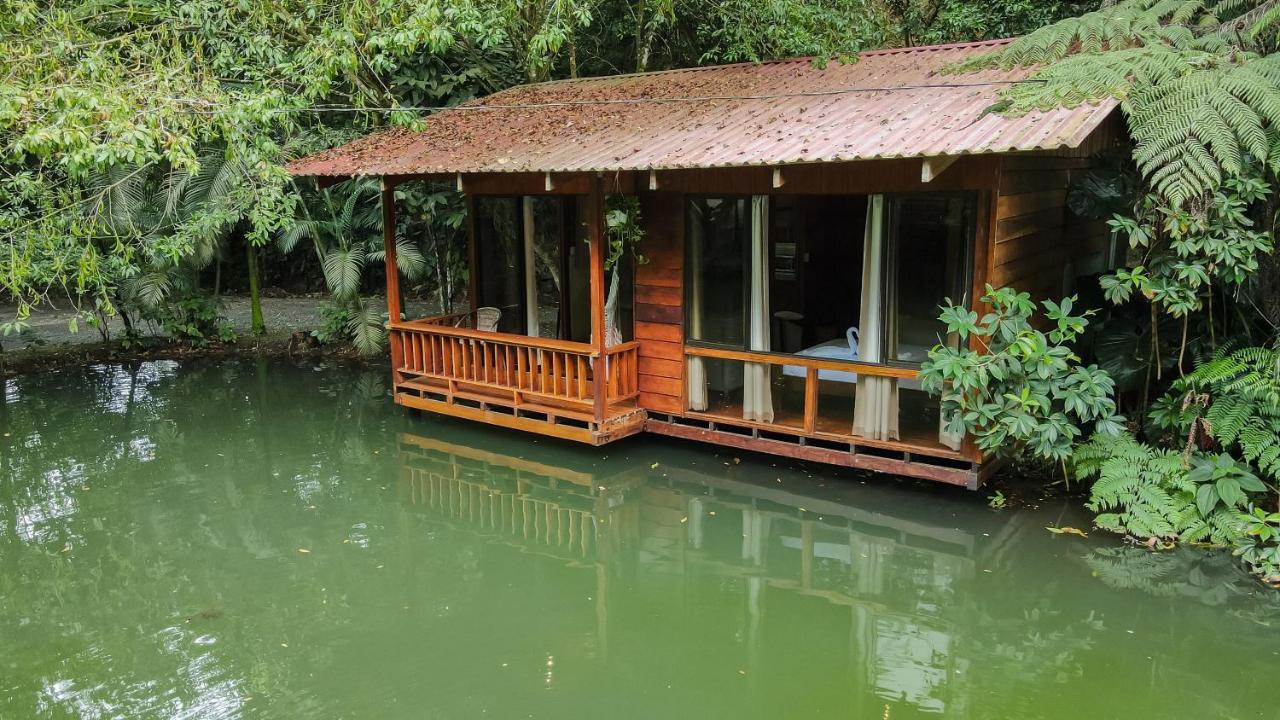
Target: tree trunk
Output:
[(256, 324)]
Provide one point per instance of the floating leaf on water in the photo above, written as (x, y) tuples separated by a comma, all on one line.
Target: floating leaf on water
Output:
[(1067, 531), (304, 551)]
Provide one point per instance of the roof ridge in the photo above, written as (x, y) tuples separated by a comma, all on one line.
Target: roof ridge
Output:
[(942, 46), (779, 61)]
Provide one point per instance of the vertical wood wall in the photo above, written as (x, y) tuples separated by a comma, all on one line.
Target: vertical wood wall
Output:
[(1039, 243), (659, 299)]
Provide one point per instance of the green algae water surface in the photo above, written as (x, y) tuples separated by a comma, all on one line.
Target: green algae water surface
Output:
[(272, 540)]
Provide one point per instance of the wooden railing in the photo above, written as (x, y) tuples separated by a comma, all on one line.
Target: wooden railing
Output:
[(811, 367), (539, 368), (622, 380)]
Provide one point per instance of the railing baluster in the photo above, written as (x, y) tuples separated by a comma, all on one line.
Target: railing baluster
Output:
[(569, 365)]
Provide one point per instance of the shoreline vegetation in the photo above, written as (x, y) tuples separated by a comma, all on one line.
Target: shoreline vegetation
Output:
[(273, 343)]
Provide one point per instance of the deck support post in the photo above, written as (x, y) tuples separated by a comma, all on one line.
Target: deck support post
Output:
[(595, 234), (393, 275)]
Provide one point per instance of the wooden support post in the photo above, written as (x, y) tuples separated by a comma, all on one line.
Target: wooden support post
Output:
[(393, 275), (810, 399), (473, 266), (595, 230)]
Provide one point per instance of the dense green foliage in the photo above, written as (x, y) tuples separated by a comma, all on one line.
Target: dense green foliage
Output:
[(1196, 82), (1016, 387), (1160, 496), (99, 98), (1199, 86), (1232, 401)]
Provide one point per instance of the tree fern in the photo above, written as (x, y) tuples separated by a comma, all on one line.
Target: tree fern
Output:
[(1239, 406), (1200, 94)]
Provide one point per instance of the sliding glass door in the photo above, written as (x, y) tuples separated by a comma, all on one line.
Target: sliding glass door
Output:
[(928, 261), (828, 278)]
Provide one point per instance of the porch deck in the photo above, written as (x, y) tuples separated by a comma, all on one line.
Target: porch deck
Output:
[(552, 387)]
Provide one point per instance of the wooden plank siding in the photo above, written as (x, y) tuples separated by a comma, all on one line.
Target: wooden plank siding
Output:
[(659, 303), (1037, 240)]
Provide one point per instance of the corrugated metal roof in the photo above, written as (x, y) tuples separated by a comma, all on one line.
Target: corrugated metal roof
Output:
[(891, 103)]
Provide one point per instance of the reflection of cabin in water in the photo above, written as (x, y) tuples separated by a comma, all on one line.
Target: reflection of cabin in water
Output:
[(645, 528), (801, 227)]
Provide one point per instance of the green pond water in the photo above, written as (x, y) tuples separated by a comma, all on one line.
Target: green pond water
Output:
[(271, 540)]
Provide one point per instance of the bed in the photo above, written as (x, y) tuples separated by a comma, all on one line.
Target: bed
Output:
[(847, 349), (839, 349)]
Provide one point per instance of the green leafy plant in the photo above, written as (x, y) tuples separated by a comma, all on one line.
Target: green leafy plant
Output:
[(997, 501), (1221, 483), (1259, 544), (1187, 251), (1019, 388), (196, 319), (1137, 490), (1232, 400), (334, 322), (1159, 496), (344, 230)]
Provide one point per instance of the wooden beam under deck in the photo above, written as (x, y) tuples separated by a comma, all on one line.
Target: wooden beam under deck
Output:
[(589, 434), (969, 478)]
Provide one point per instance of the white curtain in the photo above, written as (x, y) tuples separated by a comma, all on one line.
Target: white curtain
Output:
[(530, 270), (757, 399), (612, 335), (697, 377), (875, 409), (949, 439)]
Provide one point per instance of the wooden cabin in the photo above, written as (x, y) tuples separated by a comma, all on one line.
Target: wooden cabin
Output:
[(801, 226)]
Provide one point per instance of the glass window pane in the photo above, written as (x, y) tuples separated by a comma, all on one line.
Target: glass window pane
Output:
[(929, 262), (719, 233), (815, 273), (499, 256), (548, 224), (715, 386)]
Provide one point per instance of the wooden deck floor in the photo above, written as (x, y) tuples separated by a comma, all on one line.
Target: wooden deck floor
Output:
[(544, 416)]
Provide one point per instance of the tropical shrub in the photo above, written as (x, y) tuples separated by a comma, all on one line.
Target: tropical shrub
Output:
[(1259, 543), (334, 325), (1186, 251), (344, 230), (1233, 401), (1015, 387), (196, 319), (1161, 496)]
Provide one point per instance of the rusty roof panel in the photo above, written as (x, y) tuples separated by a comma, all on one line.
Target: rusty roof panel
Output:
[(891, 103)]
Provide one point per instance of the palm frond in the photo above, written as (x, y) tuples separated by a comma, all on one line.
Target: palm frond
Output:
[(342, 269)]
